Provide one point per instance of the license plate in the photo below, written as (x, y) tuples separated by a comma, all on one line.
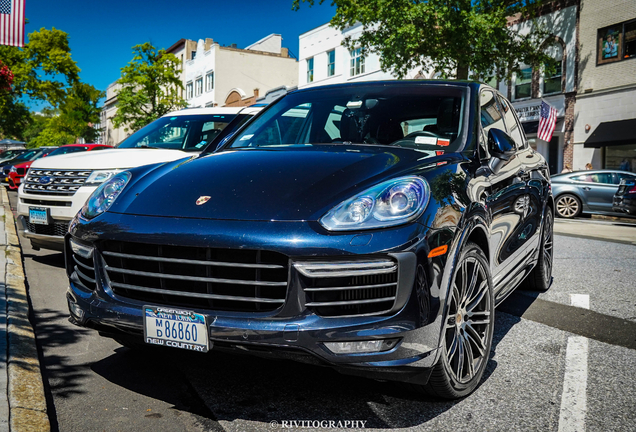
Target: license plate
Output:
[(39, 216), (177, 328)]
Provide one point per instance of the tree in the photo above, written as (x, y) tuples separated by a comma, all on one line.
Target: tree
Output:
[(79, 112), (150, 86), (43, 71), (453, 37)]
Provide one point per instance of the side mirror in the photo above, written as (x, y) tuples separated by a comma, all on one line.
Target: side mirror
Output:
[(500, 144)]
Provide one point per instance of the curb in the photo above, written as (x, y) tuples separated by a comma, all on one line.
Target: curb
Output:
[(27, 401)]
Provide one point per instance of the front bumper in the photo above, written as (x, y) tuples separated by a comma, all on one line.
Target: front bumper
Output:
[(61, 210), (294, 328)]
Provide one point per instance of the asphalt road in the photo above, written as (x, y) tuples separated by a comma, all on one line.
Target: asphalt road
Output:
[(544, 348)]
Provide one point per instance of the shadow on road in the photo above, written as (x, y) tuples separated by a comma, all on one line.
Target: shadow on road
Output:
[(235, 387), (52, 259)]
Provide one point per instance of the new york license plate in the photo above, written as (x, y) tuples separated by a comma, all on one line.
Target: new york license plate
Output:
[(38, 216), (177, 328)]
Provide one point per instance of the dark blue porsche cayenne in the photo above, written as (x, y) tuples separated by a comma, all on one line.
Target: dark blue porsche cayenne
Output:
[(370, 227)]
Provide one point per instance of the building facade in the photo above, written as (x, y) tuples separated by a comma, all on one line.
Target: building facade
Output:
[(527, 90), (229, 76), (605, 115), (110, 134), (324, 60)]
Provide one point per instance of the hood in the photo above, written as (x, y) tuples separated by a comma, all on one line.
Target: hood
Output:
[(109, 159), (281, 184)]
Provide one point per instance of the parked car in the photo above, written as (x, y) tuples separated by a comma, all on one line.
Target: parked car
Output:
[(29, 156), (371, 227), (17, 172), (10, 154), (588, 192), (625, 197), (56, 188)]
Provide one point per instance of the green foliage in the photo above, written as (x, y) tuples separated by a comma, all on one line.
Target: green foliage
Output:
[(79, 112), (150, 86), (43, 71), (52, 135), (452, 37)]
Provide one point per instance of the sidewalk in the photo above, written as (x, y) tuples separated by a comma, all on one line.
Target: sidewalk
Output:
[(22, 398), (597, 230)]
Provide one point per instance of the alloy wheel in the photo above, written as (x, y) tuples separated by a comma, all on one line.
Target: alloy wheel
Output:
[(467, 329), (567, 206), (548, 228)]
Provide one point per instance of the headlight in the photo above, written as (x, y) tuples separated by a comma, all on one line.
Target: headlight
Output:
[(13, 169), (390, 203), (98, 177), (105, 195)]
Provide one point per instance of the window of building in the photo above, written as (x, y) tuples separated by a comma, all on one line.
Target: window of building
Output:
[(616, 42), (357, 62), (331, 63), (310, 70), (193, 54), (189, 88), (198, 86), (552, 82), (523, 83), (209, 81)]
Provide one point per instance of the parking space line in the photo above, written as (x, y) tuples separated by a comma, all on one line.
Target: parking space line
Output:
[(580, 300), (574, 396)]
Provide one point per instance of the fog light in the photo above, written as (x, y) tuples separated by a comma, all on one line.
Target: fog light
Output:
[(82, 250), (76, 310), (357, 347)]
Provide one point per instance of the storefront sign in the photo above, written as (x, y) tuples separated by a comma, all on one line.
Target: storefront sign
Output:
[(529, 113)]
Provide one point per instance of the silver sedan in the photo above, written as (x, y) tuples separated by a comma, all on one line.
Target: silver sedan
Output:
[(587, 192)]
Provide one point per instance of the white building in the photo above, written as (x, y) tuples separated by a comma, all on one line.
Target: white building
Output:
[(527, 89), (323, 60), (110, 135), (229, 76)]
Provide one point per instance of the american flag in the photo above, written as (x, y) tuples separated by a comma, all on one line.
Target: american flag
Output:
[(12, 22), (547, 121)]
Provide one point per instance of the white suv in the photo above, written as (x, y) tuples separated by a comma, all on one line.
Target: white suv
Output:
[(57, 187)]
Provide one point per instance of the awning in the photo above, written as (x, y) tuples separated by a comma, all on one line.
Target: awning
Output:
[(614, 133)]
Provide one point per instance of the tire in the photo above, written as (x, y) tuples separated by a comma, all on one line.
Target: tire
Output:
[(540, 278), (466, 342), (568, 206)]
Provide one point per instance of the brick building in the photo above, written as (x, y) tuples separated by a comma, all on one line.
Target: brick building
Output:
[(527, 89), (605, 114)]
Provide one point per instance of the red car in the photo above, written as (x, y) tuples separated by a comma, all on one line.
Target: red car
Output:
[(17, 172)]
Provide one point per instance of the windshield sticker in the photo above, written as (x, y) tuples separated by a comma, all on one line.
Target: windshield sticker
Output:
[(246, 137), (354, 104), (443, 142), (425, 140)]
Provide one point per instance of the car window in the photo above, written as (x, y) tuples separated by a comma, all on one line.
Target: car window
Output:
[(513, 127), (491, 117), (182, 132), (622, 176), (66, 150), (594, 178), (411, 116)]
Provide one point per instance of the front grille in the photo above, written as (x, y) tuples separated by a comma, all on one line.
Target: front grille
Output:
[(47, 202), (85, 271), (55, 229), (352, 291), (55, 182), (207, 278), (20, 171)]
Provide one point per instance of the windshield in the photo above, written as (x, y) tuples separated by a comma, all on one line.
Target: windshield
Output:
[(66, 150), (182, 132), (405, 114)]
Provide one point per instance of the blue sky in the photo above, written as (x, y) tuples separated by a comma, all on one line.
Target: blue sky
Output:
[(102, 33)]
